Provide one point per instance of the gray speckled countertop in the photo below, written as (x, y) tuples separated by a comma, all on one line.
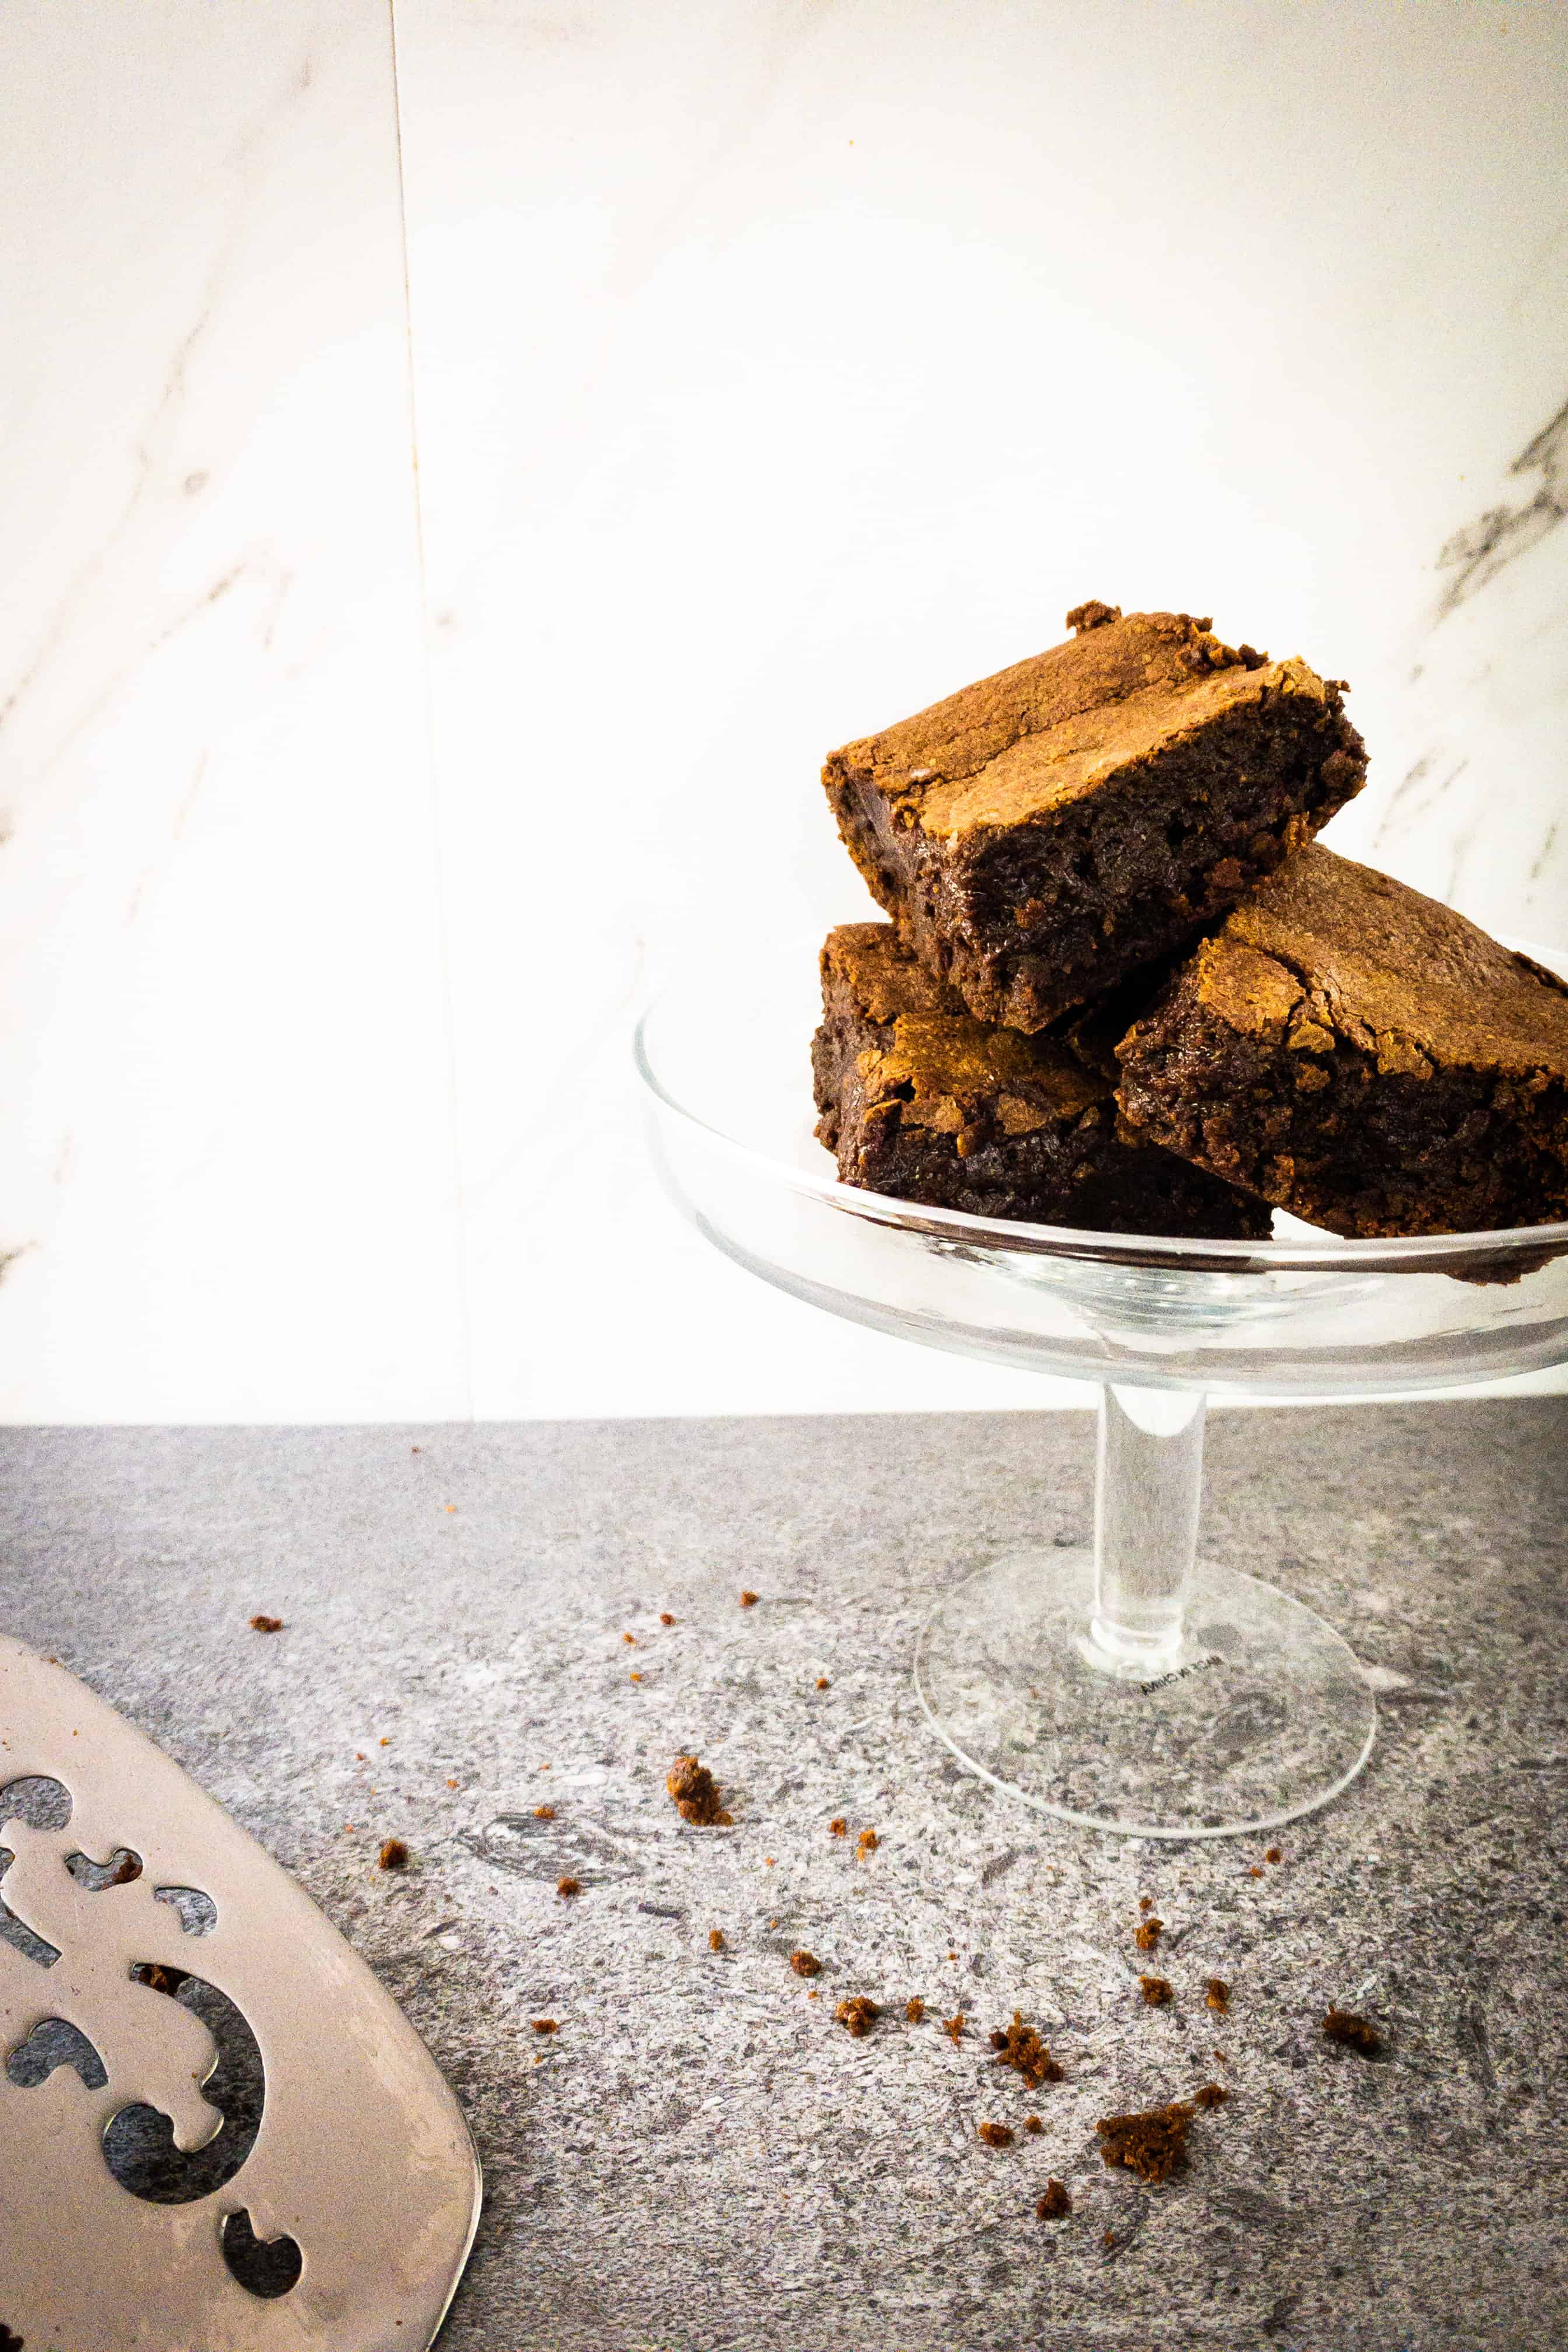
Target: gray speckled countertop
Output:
[(701, 2159)]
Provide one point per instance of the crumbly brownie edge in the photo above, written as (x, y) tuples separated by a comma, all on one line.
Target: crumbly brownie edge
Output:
[(1132, 872), (1365, 1151), (1076, 1171), (1029, 921)]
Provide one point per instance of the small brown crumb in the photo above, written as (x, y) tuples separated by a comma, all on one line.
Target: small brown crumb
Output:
[(1273, 1854), (814, 1994), (544, 1813), (158, 1978), (1255, 1870), (567, 1887), (1145, 1903), (413, 1449), (806, 1964), (994, 2135), (1151, 2145), (451, 1783), (665, 1618), (1092, 615), (1109, 2239), (386, 1740), (359, 1755), (1343, 2025), (259, 1624), (715, 1939), (1147, 1936), (695, 1793), (1033, 2124), (545, 2025), (858, 2016), (1019, 2046), (1054, 2203), (768, 1861), (1213, 2095), (914, 2010), (822, 1683), (630, 1640), (868, 1841), (953, 2028), (450, 1508), (634, 1678), (839, 1827), (1155, 1991), (748, 1600), (393, 1855)]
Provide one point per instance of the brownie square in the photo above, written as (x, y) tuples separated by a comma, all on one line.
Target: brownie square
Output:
[(1361, 1056), (920, 1100), (1043, 833)]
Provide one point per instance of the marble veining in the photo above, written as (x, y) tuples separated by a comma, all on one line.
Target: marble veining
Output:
[(1500, 536)]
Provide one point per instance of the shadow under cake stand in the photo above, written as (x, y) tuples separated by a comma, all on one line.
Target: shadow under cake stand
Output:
[(1127, 1687)]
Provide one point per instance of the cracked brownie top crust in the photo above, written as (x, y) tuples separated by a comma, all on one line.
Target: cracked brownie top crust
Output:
[(1044, 832), (1363, 1056)]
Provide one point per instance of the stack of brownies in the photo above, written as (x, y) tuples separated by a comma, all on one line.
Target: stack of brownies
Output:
[(1124, 989)]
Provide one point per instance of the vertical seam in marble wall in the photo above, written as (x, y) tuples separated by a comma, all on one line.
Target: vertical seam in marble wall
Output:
[(442, 948)]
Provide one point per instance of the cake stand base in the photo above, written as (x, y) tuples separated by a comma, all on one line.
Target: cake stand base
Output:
[(1259, 1712)]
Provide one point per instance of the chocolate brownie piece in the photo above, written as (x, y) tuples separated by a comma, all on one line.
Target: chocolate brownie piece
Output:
[(920, 1100), (1363, 1056), (1044, 832)]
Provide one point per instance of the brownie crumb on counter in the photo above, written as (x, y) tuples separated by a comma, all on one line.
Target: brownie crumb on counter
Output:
[(260, 1624), (839, 1827), (1033, 2124), (994, 2135), (567, 1887), (695, 1794), (1047, 830), (665, 1618), (393, 1855), (748, 1600), (868, 1841), (1213, 2095), (1353, 2031), (1056, 2204), (1216, 1996), (544, 1813), (1146, 1936), (1151, 2144), (545, 2025), (1145, 1903), (822, 1683), (1156, 1991), (914, 2010), (858, 2016), (1273, 1854), (1019, 2046), (806, 1964), (715, 1939), (953, 2028)]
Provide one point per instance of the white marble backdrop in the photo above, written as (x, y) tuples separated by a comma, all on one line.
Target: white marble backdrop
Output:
[(771, 366)]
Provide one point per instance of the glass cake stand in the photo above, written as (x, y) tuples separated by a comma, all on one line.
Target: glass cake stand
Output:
[(1121, 1687)]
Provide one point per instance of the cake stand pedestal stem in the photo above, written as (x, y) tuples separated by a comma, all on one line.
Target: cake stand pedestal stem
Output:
[(1148, 1483)]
